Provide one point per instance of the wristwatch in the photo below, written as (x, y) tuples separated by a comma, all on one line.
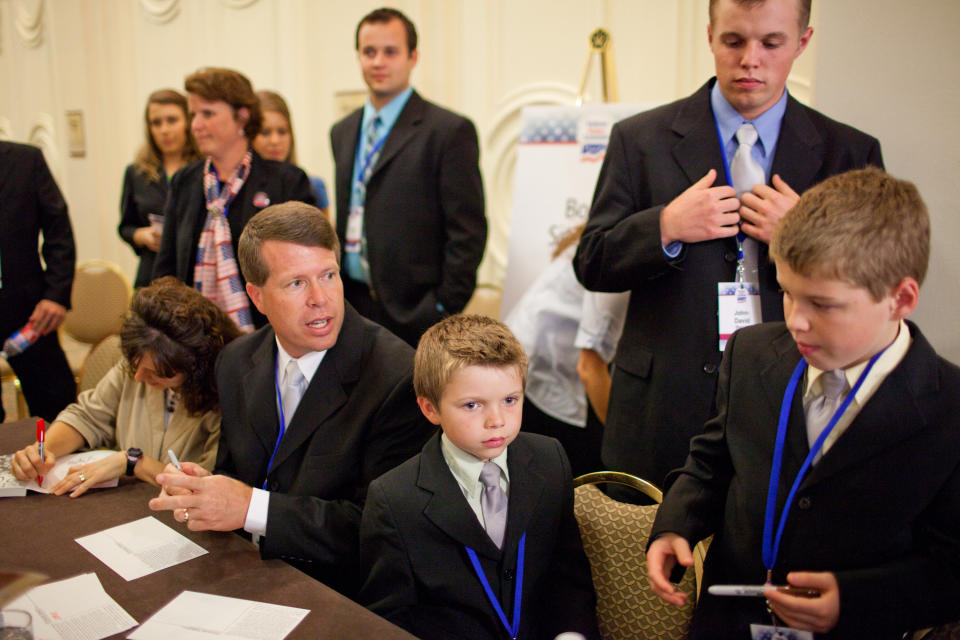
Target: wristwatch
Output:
[(133, 455)]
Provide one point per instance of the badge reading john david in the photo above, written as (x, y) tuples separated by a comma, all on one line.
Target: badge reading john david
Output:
[(738, 306)]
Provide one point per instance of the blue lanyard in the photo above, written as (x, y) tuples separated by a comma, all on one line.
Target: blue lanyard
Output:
[(512, 629), (771, 544), (374, 151), (276, 383)]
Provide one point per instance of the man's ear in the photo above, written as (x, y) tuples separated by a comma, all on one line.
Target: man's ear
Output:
[(256, 296), (904, 298), (430, 412)]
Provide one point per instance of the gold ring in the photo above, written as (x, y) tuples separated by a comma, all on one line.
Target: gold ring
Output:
[(82, 478)]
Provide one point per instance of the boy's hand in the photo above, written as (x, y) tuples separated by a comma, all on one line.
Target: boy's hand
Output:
[(665, 552), (809, 614)]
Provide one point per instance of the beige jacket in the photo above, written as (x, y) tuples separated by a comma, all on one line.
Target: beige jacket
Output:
[(120, 413)]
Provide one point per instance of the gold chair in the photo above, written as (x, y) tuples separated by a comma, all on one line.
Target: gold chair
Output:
[(99, 361), (9, 380), (101, 296), (615, 538)]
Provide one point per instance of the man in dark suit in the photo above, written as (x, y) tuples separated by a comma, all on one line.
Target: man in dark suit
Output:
[(30, 205), (663, 223), (294, 473), (410, 209)]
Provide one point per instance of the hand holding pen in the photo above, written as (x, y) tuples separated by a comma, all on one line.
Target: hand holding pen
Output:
[(41, 438)]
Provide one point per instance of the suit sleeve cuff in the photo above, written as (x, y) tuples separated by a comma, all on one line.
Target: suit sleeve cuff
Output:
[(256, 522)]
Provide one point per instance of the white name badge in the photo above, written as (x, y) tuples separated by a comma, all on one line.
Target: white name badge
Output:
[(766, 632), (355, 225), (738, 306)]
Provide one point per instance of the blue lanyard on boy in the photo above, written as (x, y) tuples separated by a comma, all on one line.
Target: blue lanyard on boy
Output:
[(276, 383), (771, 544), (514, 628), (741, 236)]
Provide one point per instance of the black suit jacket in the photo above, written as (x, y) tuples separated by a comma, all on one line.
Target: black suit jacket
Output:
[(424, 210), (356, 420), (31, 204), (186, 213), (141, 197), (666, 362), (881, 509), (417, 521)]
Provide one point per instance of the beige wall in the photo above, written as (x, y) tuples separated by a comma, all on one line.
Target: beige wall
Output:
[(484, 58)]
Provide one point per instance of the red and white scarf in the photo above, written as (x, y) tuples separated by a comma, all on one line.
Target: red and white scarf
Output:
[(216, 275)]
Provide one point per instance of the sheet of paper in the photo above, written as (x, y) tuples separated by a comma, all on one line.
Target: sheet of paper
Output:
[(201, 616), (73, 609), (140, 547), (11, 487)]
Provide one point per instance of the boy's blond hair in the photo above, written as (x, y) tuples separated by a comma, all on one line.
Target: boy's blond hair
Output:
[(864, 227), (457, 342)]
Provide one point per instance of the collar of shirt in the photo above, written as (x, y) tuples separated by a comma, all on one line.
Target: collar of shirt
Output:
[(884, 365), (388, 114), (466, 469), (767, 125), (307, 363)]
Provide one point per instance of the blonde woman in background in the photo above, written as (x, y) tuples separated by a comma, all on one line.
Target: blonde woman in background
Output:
[(167, 148), (276, 141)]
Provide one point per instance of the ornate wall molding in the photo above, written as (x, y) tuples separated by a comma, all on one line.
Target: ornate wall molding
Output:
[(28, 21), (499, 166), (238, 4), (43, 135), (161, 11)]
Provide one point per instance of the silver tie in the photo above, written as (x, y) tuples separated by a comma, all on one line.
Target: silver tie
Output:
[(833, 385), (293, 387), (745, 172), (493, 503)]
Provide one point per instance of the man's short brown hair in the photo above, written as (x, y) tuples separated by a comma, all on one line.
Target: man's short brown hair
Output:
[(803, 8), (232, 87), (864, 227), (383, 16), (295, 222), (460, 341)]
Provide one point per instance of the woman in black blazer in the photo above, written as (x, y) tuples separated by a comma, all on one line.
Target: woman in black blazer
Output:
[(225, 117), (168, 147)]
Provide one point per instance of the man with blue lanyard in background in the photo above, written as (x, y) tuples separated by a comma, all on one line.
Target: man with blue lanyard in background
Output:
[(410, 209), (686, 201)]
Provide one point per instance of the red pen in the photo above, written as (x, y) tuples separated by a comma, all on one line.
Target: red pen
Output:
[(41, 436)]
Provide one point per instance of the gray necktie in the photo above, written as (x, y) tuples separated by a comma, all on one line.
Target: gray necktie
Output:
[(833, 385), (493, 503), (293, 387), (745, 172)]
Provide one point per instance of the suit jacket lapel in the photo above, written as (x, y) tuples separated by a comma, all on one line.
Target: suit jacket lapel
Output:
[(698, 150), (346, 152), (326, 393), (799, 152), (774, 379), (525, 494), (895, 405), (260, 393), (447, 508), (401, 132)]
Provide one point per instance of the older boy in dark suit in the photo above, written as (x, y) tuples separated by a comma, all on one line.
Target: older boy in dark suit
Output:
[(833, 462), (475, 537)]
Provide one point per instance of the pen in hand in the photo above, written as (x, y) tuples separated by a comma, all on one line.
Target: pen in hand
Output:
[(41, 437), (174, 461)]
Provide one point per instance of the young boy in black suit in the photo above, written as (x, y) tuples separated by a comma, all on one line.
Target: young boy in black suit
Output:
[(475, 537), (833, 462)]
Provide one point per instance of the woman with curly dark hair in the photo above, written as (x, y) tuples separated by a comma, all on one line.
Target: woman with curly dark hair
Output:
[(161, 396)]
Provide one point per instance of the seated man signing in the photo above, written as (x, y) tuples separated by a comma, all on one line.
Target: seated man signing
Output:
[(315, 405)]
